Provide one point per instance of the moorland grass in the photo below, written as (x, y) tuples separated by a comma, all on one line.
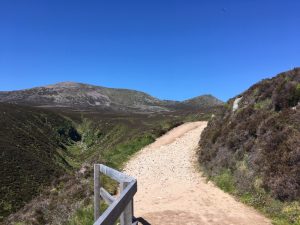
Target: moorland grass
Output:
[(281, 213)]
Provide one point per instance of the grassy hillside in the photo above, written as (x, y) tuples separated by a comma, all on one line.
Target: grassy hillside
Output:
[(105, 138), (252, 149), (30, 144)]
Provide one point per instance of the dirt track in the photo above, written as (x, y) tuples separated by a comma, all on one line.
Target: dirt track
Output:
[(172, 191)]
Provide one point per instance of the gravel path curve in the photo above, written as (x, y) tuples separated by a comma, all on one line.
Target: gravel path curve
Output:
[(172, 191)]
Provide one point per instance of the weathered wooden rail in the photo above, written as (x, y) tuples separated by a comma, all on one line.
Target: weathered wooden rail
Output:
[(120, 207)]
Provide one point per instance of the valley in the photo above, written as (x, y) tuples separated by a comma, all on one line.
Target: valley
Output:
[(47, 153), (149, 112), (51, 136)]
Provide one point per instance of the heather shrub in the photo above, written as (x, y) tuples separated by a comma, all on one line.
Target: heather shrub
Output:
[(258, 147)]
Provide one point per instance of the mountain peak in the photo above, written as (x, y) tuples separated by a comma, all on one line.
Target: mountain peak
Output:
[(204, 101), (65, 84), (91, 97)]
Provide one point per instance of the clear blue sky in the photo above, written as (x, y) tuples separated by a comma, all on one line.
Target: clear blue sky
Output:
[(171, 49)]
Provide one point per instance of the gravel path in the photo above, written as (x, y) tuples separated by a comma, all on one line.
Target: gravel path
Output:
[(172, 191)]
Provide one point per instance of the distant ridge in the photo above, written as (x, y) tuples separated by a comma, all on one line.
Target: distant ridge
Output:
[(204, 101), (91, 97)]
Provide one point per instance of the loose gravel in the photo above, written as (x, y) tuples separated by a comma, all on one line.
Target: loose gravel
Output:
[(171, 190)]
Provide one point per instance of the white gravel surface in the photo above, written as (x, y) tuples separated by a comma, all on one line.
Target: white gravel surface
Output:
[(172, 191)]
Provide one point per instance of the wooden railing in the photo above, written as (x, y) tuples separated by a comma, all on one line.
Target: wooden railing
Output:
[(120, 207)]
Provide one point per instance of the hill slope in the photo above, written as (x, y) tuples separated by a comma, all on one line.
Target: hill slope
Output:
[(255, 142), (85, 97), (29, 142), (108, 138)]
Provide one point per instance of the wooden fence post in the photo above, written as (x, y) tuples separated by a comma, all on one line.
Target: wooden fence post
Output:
[(127, 215), (97, 186)]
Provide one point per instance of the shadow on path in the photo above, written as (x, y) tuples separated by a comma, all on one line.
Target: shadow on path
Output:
[(142, 221)]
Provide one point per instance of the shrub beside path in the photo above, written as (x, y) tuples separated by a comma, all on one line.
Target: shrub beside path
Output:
[(172, 191)]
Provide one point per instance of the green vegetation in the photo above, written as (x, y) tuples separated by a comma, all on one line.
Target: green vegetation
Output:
[(265, 104), (225, 181), (83, 216), (297, 92), (119, 155), (281, 213)]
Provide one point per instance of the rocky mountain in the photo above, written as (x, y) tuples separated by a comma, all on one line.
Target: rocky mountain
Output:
[(252, 148), (84, 97)]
